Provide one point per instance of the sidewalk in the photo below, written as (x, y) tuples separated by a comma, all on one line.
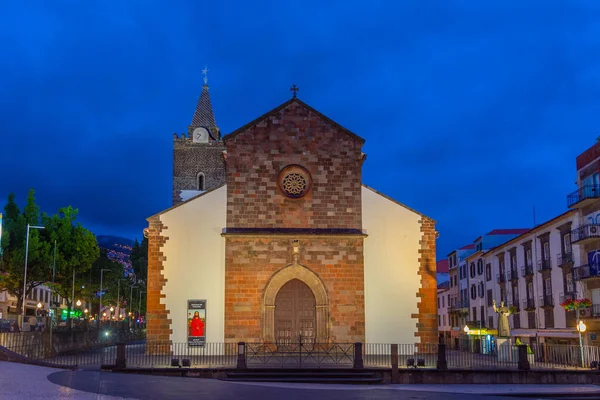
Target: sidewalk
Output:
[(509, 390)]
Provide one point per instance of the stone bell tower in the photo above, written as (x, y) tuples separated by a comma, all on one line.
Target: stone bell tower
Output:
[(198, 158)]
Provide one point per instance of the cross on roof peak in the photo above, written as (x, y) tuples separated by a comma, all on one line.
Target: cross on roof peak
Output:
[(294, 89)]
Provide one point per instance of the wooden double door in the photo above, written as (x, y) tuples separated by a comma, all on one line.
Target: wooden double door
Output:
[(295, 316)]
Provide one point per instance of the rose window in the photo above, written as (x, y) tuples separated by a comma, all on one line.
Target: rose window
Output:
[(294, 181)]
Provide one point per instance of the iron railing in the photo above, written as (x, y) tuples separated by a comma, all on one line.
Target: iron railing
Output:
[(583, 193), (587, 231), (167, 354), (513, 274), (544, 265), (529, 304), (584, 272), (501, 278), (527, 270), (546, 300), (564, 259), (301, 354)]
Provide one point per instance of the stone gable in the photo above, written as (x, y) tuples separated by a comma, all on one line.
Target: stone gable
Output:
[(294, 135)]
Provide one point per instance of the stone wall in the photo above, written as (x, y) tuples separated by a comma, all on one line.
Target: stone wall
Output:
[(190, 158), (158, 327), (427, 325), (290, 135), (252, 261)]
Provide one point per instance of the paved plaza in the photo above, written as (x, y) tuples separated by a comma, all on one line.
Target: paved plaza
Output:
[(19, 381)]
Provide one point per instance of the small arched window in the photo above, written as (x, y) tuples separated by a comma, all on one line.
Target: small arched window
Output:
[(201, 181)]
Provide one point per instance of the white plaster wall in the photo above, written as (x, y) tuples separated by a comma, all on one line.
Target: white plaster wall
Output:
[(391, 267), (195, 262)]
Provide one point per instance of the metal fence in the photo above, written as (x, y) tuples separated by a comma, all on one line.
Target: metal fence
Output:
[(139, 354), (298, 355)]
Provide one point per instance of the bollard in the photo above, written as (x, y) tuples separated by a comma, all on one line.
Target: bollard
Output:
[(241, 359), (358, 355), (523, 360), (442, 364), (394, 363), (120, 362)]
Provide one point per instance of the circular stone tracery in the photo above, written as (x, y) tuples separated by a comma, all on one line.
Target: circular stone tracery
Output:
[(294, 181)]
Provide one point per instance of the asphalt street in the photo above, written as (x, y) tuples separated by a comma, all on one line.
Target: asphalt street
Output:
[(18, 381)]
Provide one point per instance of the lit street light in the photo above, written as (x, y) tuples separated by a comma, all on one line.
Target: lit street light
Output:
[(581, 327), (78, 303), (25, 275)]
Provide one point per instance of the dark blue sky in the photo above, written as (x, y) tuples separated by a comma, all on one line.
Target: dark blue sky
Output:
[(471, 113)]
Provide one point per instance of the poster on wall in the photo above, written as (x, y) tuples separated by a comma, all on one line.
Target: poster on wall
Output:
[(196, 320), (594, 262)]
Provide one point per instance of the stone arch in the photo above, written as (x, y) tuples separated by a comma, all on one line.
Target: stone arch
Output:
[(312, 280)]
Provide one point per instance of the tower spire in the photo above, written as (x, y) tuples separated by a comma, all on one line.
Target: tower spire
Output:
[(204, 116)]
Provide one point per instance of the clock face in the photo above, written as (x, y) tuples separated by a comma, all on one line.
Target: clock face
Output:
[(200, 135)]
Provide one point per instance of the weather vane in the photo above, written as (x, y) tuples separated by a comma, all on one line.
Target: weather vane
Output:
[(205, 73), (294, 89)]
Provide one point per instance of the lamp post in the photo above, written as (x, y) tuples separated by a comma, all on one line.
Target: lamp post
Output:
[(140, 303), (581, 327), (25, 275), (119, 294), (100, 306), (131, 298)]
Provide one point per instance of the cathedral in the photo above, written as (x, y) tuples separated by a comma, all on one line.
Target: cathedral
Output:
[(273, 237)]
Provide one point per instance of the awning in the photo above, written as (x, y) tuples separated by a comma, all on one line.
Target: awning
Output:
[(558, 334), (523, 332)]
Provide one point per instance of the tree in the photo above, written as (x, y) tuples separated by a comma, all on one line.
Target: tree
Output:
[(139, 262), (76, 251), (14, 240)]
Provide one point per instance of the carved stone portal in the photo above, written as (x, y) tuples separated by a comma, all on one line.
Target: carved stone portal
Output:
[(312, 280)]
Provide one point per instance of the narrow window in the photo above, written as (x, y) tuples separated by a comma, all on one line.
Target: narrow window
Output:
[(201, 181)]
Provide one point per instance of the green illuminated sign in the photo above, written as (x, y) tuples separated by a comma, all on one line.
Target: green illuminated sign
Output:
[(74, 313)]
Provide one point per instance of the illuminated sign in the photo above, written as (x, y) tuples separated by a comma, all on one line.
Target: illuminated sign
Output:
[(74, 313)]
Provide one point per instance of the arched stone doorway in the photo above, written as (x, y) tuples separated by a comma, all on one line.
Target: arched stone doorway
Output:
[(305, 279), (295, 316)]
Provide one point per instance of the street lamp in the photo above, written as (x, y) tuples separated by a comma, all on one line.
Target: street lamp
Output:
[(581, 327), (25, 275), (140, 303), (131, 297), (78, 303), (466, 329), (100, 309)]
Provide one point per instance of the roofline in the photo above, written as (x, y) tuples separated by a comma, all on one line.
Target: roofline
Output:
[(477, 253), (533, 230), (184, 202), (255, 121), (400, 204), (452, 252)]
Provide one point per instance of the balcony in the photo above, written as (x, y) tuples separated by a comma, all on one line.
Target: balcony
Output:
[(590, 312), (501, 278), (546, 301), (513, 275), (583, 196), (516, 305), (564, 259), (544, 265), (567, 296), (581, 272), (529, 304), (526, 271), (460, 304), (585, 233)]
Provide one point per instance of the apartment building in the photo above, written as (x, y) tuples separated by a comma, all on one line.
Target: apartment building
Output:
[(585, 238), (442, 305), (40, 295)]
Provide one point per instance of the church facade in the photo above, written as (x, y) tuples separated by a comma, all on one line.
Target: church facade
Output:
[(274, 234)]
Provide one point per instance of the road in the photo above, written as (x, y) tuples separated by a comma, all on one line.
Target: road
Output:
[(18, 381)]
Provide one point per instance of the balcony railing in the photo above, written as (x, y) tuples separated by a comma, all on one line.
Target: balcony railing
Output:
[(586, 192), (585, 232), (544, 265), (585, 272), (546, 301), (529, 304), (572, 295), (590, 312), (501, 278), (459, 304), (564, 259), (513, 274), (527, 270)]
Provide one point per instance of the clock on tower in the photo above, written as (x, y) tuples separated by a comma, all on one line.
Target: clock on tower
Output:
[(200, 135)]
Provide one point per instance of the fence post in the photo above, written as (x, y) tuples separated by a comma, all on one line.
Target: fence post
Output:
[(394, 363), (523, 361), (358, 356), (241, 359), (120, 362), (442, 364)]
